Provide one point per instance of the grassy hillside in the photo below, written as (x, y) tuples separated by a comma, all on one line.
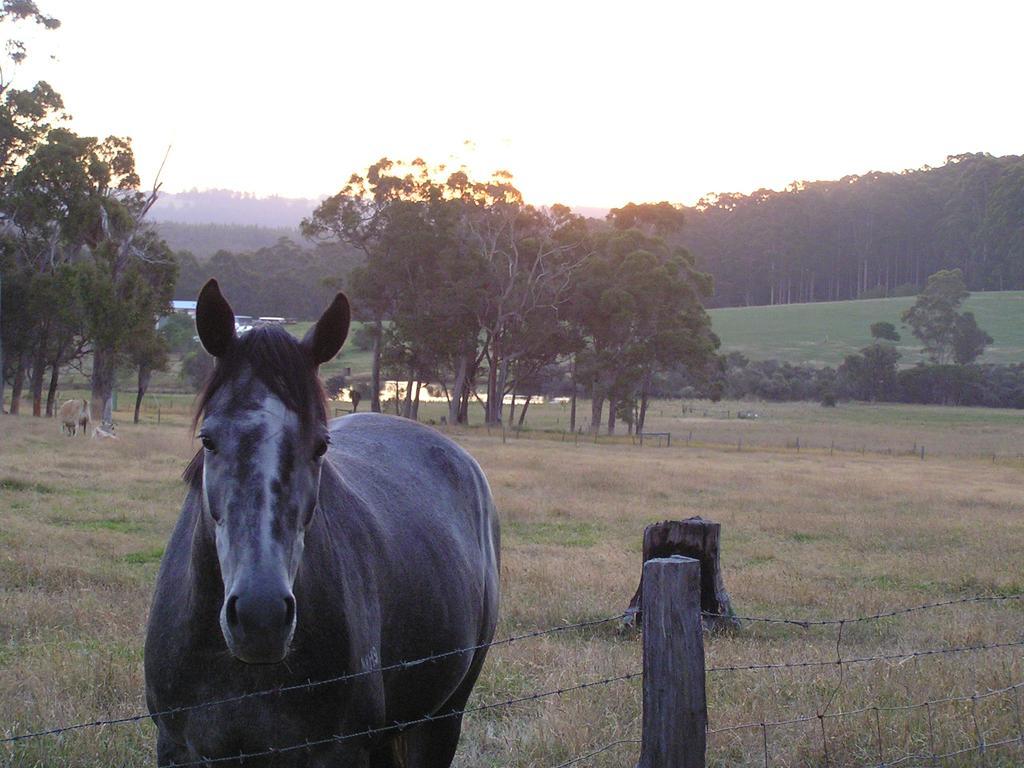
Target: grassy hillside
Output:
[(821, 334)]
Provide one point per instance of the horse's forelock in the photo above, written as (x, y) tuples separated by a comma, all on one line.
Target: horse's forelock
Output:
[(281, 363)]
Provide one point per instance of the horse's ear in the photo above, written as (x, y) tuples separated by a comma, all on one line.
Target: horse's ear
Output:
[(215, 320), (326, 337)]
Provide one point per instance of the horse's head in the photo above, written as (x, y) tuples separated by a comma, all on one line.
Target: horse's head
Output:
[(264, 435)]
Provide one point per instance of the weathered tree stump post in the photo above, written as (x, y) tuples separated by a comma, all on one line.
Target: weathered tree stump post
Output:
[(700, 539), (675, 713)]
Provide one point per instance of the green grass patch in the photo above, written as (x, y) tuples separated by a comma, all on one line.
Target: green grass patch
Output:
[(14, 484), (565, 533), (144, 556), (116, 524)]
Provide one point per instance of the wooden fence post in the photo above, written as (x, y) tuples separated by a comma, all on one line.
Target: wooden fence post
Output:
[(675, 713)]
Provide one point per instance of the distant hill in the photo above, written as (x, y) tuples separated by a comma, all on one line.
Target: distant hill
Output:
[(224, 206), (207, 221), (823, 333), (204, 240)]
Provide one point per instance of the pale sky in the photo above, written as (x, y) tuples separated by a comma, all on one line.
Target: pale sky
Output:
[(586, 103)]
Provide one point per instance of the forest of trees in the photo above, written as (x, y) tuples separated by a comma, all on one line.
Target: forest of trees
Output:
[(287, 278), (869, 236), (204, 240)]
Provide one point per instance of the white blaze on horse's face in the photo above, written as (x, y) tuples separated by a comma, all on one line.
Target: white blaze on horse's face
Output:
[(261, 476)]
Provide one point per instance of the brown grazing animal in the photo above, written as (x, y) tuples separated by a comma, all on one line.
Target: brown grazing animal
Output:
[(74, 415)]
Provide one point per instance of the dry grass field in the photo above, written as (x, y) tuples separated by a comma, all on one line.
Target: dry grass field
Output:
[(82, 526)]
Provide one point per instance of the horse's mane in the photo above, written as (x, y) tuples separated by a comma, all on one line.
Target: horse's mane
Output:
[(282, 364)]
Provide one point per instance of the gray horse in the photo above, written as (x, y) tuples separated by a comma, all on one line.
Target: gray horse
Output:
[(309, 551)]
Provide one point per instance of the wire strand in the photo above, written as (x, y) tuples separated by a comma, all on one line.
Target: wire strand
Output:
[(371, 732), (597, 752), (806, 623), (302, 686), (865, 659)]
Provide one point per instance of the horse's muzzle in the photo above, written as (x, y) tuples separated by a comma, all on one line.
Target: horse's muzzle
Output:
[(258, 624)]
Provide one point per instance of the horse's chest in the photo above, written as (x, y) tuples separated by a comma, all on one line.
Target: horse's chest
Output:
[(276, 727)]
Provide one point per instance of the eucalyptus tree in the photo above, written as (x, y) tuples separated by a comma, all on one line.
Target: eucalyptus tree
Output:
[(529, 258), (455, 270), (378, 213), (74, 208), (933, 316), (638, 307), (25, 116)]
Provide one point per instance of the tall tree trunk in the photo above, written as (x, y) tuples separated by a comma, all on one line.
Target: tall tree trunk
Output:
[(17, 384), (572, 399), (512, 408), (407, 403), (491, 411), (613, 403), (102, 395), (51, 393), (502, 383), (36, 384), (39, 371), (522, 413), (416, 400), (596, 406), (375, 370), (464, 397), (461, 374), (145, 373), (642, 417)]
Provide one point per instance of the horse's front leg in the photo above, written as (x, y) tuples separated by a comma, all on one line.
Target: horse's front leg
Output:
[(169, 751), (340, 756)]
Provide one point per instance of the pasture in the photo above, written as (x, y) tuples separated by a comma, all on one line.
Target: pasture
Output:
[(82, 527), (824, 333)]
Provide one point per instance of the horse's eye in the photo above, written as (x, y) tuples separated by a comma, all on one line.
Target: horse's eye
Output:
[(321, 449), (208, 443)]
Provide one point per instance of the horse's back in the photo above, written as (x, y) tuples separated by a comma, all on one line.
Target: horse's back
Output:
[(380, 455)]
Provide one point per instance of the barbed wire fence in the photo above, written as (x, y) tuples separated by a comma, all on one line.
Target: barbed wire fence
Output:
[(933, 752)]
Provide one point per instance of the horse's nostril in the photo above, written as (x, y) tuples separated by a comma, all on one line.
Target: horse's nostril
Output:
[(289, 610), (231, 611)]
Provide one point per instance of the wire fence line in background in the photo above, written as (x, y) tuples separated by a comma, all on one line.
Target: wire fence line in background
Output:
[(805, 623), (898, 655), (739, 442), (976, 696), (933, 757)]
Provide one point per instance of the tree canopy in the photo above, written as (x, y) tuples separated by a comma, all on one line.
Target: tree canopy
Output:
[(864, 236)]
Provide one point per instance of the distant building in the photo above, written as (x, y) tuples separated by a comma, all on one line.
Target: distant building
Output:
[(184, 307)]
